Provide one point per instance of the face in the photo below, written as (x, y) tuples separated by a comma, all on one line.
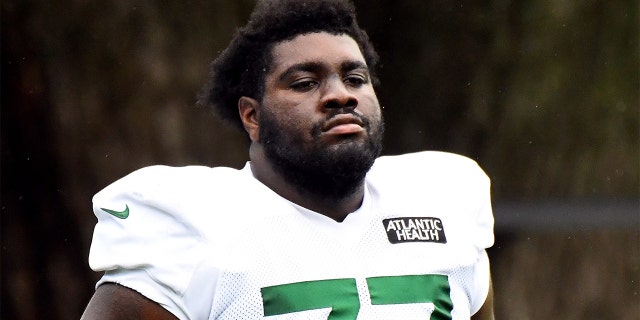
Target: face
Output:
[(320, 120)]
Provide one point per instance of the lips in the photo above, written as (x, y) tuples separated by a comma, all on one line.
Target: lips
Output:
[(343, 124)]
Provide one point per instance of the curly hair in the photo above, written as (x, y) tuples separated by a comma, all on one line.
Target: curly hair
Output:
[(241, 69)]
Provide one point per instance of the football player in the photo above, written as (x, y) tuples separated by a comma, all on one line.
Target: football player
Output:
[(316, 225)]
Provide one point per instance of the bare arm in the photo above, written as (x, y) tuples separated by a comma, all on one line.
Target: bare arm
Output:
[(486, 311), (112, 301)]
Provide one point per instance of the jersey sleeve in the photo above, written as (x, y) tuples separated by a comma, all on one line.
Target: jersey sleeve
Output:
[(453, 177), (461, 183), (482, 239), (484, 221), (475, 188), (142, 241)]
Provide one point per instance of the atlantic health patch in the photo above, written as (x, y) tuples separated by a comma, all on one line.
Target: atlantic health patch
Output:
[(414, 229)]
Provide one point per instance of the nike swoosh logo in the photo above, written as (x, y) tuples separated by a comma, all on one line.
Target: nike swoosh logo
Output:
[(118, 214)]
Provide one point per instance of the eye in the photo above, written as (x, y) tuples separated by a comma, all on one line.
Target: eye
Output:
[(303, 85), (356, 80)]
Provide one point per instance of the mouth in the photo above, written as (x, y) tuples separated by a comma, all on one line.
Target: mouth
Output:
[(343, 124)]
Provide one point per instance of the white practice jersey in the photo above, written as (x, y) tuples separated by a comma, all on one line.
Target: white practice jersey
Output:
[(215, 243)]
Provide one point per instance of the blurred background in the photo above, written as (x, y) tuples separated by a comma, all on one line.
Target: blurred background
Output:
[(543, 94)]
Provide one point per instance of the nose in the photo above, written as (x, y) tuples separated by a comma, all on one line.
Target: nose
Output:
[(337, 95)]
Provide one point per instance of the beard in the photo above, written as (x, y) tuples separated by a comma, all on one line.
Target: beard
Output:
[(333, 171)]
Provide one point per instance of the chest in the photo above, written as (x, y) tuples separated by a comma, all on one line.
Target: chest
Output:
[(385, 264)]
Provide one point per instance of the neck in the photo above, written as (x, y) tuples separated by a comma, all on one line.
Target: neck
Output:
[(332, 207)]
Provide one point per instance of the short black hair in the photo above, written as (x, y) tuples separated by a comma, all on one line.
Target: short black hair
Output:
[(241, 68)]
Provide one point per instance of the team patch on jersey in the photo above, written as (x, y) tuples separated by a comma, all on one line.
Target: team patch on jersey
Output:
[(414, 229)]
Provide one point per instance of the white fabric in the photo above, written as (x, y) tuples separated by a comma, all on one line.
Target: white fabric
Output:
[(202, 242)]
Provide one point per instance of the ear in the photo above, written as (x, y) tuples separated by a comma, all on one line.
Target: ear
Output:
[(248, 109)]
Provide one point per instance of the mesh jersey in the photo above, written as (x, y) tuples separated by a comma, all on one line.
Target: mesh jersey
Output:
[(214, 243)]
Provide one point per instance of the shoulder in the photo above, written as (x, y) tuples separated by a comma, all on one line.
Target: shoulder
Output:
[(150, 234), (160, 205), (427, 156), (167, 176), (449, 186), (165, 182), (158, 198), (432, 165)]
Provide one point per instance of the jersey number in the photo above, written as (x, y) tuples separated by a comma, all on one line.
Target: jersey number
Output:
[(341, 295)]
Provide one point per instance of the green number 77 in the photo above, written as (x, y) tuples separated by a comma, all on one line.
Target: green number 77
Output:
[(341, 295)]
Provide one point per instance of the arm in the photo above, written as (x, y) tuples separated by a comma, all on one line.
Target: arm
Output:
[(113, 301), (486, 311)]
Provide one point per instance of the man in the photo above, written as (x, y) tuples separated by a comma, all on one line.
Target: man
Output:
[(315, 226)]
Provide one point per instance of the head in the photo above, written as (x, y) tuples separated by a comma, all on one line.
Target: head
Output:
[(299, 80), (241, 68)]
